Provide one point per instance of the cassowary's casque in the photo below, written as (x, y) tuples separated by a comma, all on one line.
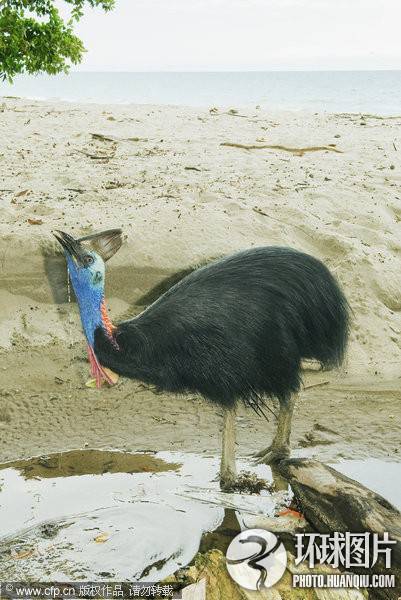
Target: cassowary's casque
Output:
[(234, 331)]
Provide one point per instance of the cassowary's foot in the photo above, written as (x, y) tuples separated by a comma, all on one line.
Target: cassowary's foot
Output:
[(246, 483), (227, 481), (272, 454)]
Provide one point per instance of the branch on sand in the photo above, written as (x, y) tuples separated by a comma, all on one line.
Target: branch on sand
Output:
[(294, 151), (232, 112), (97, 156), (380, 117), (359, 116), (314, 385), (112, 138)]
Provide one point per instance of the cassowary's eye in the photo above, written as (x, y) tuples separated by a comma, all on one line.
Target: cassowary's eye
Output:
[(89, 260)]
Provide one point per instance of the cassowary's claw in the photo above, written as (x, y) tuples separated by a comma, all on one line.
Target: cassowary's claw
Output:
[(272, 455), (261, 452)]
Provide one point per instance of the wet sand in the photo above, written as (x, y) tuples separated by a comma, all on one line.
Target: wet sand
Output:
[(45, 407)]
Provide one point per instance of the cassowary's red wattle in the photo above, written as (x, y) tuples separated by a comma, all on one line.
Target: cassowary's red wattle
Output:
[(98, 372)]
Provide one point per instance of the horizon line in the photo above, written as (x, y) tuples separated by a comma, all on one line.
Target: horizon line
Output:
[(286, 70)]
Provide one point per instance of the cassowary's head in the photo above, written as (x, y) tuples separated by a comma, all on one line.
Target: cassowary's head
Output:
[(86, 258)]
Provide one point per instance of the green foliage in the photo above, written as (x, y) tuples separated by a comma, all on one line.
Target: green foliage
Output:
[(35, 38)]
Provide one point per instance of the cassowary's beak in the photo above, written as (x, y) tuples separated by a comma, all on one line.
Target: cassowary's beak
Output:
[(71, 246)]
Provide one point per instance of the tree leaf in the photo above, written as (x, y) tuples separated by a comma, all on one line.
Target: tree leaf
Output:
[(35, 38)]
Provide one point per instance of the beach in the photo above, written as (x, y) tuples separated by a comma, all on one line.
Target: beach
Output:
[(117, 467), (187, 185)]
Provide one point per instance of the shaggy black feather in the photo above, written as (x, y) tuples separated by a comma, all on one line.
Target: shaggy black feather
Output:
[(236, 329)]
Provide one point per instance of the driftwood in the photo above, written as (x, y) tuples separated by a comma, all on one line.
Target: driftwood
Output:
[(332, 502), (98, 156), (112, 138), (295, 151)]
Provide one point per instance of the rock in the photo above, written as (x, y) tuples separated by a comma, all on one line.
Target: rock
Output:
[(210, 580)]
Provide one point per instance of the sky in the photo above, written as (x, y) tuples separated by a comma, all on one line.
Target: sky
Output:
[(192, 35)]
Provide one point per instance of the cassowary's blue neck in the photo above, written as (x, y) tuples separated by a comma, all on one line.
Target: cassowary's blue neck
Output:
[(90, 307), (88, 284)]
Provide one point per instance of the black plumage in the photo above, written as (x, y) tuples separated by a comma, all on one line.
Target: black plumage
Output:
[(236, 329)]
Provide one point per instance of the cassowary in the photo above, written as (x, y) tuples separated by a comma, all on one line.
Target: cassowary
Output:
[(233, 331)]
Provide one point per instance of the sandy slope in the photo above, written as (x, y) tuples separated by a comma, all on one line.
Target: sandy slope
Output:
[(163, 175)]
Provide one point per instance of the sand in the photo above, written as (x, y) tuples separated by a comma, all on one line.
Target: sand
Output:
[(185, 188)]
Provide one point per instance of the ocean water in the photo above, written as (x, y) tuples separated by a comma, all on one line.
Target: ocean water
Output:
[(331, 91)]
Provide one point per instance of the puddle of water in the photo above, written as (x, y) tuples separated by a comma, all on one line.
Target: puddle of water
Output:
[(90, 514), (89, 462), (380, 476), (102, 515), (221, 537)]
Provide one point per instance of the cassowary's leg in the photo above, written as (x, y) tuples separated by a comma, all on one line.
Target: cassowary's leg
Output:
[(280, 447), (228, 470)]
